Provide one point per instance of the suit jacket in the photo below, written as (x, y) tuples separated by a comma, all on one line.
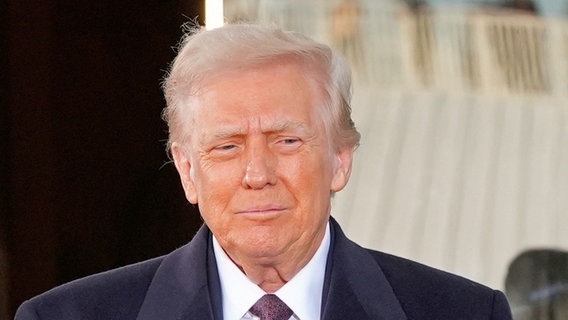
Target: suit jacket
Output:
[(360, 284)]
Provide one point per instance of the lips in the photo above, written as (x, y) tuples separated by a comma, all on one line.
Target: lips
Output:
[(262, 210)]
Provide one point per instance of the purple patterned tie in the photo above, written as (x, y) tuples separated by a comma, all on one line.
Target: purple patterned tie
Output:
[(270, 307)]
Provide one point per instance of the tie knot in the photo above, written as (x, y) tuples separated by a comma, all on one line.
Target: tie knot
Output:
[(270, 307)]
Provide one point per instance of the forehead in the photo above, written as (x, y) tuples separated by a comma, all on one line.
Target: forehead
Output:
[(258, 90)]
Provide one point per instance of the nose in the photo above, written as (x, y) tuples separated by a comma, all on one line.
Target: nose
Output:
[(259, 170)]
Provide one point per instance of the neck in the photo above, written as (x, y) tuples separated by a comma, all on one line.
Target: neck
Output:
[(269, 279), (271, 273)]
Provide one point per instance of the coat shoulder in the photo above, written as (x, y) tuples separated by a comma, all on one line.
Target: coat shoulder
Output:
[(428, 293), (114, 294)]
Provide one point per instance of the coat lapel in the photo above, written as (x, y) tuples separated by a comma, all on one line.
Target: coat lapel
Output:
[(180, 288), (358, 288)]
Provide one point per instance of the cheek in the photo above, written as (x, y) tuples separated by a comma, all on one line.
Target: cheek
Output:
[(216, 185), (309, 180), (299, 175)]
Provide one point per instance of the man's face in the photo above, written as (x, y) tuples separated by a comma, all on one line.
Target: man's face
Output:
[(259, 163)]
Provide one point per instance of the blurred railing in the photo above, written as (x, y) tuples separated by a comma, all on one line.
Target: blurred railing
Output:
[(490, 52), (390, 45)]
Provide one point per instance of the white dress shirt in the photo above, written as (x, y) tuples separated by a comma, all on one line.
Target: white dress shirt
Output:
[(302, 294)]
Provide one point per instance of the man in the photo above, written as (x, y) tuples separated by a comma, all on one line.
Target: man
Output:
[(262, 137)]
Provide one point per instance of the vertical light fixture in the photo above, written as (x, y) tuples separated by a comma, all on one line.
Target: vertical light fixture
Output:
[(213, 14)]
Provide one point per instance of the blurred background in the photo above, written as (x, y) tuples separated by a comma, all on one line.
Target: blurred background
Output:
[(463, 108)]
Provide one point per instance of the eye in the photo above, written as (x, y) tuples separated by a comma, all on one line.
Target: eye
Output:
[(226, 147), (290, 140), (224, 150), (289, 143)]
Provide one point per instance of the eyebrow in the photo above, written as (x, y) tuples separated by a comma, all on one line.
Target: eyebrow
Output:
[(283, 125), (278, 126)]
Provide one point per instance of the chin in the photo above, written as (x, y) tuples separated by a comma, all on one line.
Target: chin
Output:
[(262, 249)]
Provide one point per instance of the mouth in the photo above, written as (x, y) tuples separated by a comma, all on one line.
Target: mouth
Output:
[(262, 212)]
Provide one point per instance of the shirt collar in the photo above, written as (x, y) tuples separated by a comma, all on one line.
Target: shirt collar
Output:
[(303, 293)]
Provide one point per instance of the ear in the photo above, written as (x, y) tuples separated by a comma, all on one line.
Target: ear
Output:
[(183, 166), (342, 170)]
